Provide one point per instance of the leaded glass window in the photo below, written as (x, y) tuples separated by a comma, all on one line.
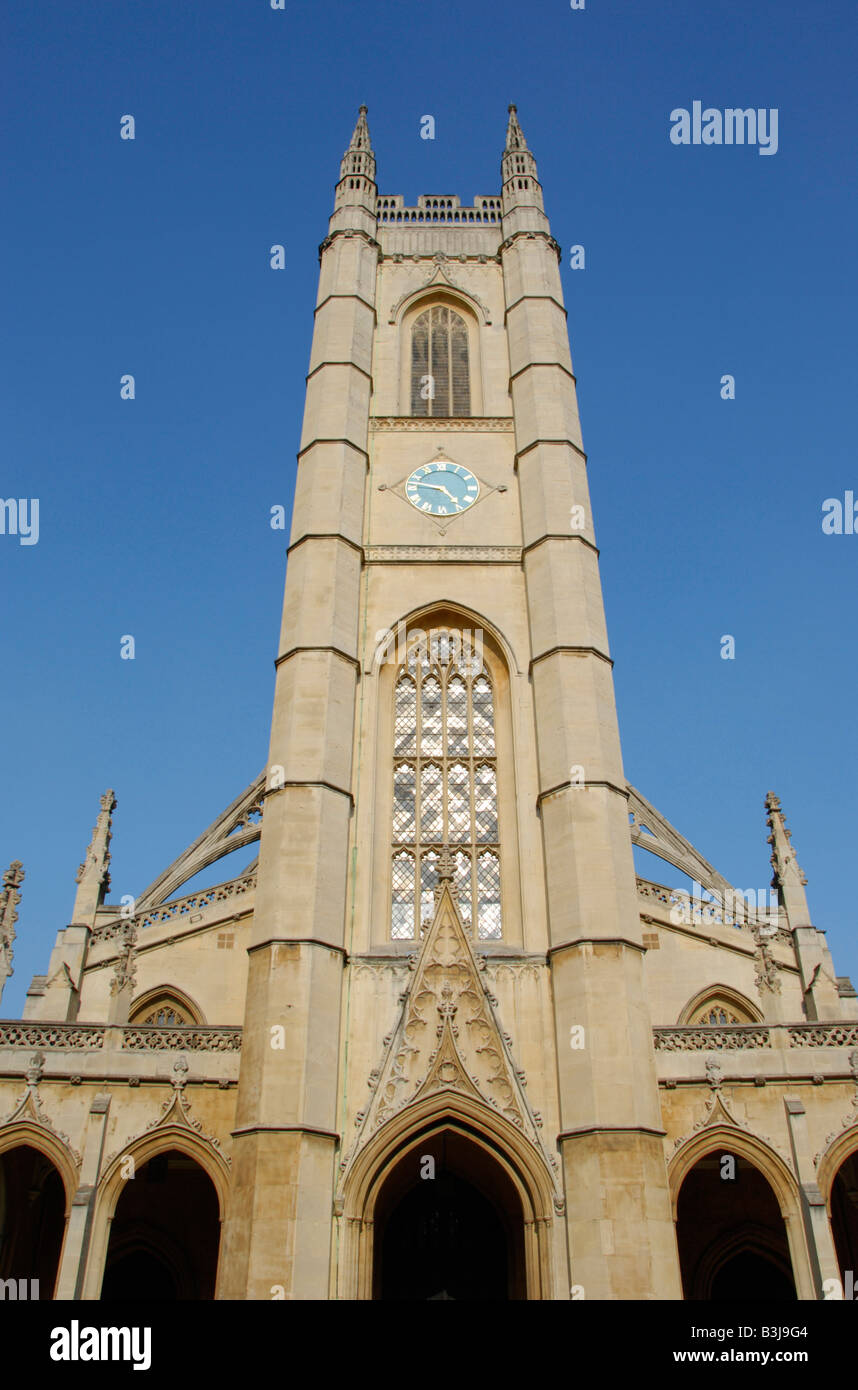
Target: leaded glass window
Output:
[(718, 1016), (440, 377), (165, 1012), (444, 785)]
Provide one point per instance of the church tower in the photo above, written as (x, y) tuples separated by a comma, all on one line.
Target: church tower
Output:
[(438, 1041), (445, 997)]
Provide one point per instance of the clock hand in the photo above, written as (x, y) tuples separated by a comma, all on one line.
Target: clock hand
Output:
[(436, 488)]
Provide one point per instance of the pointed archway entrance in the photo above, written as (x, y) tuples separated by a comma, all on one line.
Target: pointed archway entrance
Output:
[(844, 1217), (32, 1221), (447, 1089), (494, 1203), (732, 1238), (165, 1233), (448, 1225)]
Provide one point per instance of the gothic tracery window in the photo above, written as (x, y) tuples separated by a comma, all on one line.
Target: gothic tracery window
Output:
[(164, 1012), (718, 1015), (440, 377), (165, 1017), (719, 1012), (444, 785)]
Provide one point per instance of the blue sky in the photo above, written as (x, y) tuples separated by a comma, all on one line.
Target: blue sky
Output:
[(151, 257)]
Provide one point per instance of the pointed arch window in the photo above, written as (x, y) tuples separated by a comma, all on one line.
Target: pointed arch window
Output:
[(440, 368), (719, 1016), (719, 1007), (163, 1009), (444, 784)]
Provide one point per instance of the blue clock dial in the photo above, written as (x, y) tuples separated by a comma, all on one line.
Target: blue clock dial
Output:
[(442, 489)]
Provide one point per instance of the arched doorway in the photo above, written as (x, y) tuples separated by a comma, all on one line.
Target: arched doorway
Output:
[(32, 1220), (731, 1236), (448, 1225), (844, 1216), (165, 1233)]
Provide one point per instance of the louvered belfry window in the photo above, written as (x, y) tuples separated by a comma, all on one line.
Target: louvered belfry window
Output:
[(444, 786), (440, 377)]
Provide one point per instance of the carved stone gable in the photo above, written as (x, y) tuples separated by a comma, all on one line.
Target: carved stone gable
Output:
[(448, 1037)]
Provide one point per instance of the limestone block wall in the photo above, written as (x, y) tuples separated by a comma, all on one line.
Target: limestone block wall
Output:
[(207, 961), (687, 962)]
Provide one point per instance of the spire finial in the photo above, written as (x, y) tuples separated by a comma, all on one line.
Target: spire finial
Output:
[(360, 135), (93, 878), (519, 174), (359, 158), (514, 134), (445, 866), (788, 877)]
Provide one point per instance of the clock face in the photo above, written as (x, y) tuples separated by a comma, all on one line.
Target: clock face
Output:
[(442, 489)]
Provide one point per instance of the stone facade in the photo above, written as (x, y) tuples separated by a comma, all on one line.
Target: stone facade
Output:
[(277, 1047)]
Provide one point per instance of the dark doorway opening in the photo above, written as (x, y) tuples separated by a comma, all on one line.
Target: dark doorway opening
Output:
[(448, 1224), (844, 1216), (32, 1220), (165, 1234), (748, 1278), (731, 1235)]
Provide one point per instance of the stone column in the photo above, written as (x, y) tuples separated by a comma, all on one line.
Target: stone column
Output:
[(72, 1271), (817, 1229)]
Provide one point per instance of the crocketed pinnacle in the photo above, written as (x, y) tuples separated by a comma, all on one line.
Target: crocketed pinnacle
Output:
[(517, 163), (514, 134), (360, 139), (359, 158), (788, 877)]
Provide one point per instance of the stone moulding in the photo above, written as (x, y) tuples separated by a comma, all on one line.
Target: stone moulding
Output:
[(135, 1038), (435, 424), (695, 1038), (411, 554)]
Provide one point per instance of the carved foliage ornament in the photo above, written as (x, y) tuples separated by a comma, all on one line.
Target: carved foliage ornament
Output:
[(440, 279), (9, 900), (718, 1111), (30, 1107), (448, 1039), (176, 1111), (125, 969)]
